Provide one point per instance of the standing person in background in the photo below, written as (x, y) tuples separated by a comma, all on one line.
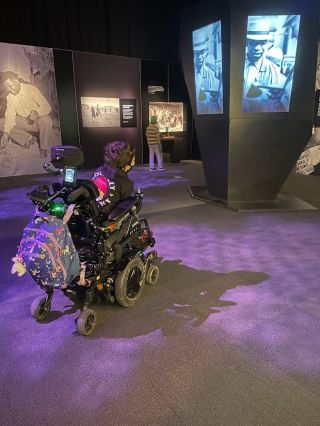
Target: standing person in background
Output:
[(154, 144)]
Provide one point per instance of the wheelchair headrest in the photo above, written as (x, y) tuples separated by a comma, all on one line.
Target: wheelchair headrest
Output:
[(64, 155), (93, 191)]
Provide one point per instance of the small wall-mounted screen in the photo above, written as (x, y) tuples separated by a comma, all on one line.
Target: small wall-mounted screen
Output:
[(169, 115), (271, 48), (100, 112), (69, 175), (207, 59)]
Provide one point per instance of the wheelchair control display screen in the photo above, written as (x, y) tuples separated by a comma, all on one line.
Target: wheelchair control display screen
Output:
[(70, 176)]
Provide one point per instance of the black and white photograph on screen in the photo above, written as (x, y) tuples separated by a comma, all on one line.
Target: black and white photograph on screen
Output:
[(207, 54), (271, 47), (100, 112), (29, 117), (169, 115)]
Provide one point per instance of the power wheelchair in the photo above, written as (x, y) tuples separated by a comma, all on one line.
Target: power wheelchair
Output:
[(114, 265)]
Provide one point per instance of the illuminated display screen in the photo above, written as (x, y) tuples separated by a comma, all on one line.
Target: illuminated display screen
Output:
[(69, 175), (169, 115), (269, 62), (207, 59)]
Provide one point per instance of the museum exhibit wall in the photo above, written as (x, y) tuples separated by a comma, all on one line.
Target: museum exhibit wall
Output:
[(106, 77), (164, 82), (309, 160), (153, 73), (66, 97), (212, 129), (30, 73), (70, 79), (248, 155), (186, 144), (272, 141)]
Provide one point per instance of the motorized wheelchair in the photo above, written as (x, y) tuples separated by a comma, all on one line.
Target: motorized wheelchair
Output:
[(114, 265)]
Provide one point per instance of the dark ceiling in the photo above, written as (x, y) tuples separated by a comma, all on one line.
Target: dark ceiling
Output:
[(127, 28)]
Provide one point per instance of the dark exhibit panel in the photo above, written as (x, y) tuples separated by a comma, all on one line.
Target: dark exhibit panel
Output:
[(249, 158), (153, 73), (264, 146), (164, 82), (101, 82), (183, 141), (212, 131), (258, 170), (66, 97)]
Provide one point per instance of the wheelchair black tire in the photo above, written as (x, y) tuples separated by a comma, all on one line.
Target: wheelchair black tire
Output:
[(130, 282), (86, 322), (39, 308)]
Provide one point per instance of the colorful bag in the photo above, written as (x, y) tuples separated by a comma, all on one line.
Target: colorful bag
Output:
[(48, 252)]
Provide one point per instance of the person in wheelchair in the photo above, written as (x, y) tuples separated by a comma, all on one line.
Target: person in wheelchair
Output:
[(112, 178), (64, 247)]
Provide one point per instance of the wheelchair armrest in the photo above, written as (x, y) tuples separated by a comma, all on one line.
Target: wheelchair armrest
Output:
[(122, 208)]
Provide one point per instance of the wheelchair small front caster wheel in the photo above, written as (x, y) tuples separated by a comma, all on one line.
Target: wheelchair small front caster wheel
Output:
[(86, 322), (40, 308), (152, 275)]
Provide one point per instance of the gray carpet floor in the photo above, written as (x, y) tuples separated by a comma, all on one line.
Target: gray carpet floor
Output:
[(229, 336)]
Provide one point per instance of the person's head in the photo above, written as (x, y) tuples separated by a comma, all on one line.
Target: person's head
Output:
[(11, 82), (257, 38), (153, 119), (120, 155), (200, 48)]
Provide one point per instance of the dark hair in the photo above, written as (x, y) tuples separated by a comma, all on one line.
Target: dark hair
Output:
[(118, 154)]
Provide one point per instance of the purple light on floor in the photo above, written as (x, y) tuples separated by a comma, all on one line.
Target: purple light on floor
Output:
[(250, 278)]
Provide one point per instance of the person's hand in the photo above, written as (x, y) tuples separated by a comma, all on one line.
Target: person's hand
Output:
[(4, 140), (33, 115)]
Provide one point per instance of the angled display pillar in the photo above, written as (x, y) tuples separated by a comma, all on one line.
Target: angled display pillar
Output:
[(247, 156)]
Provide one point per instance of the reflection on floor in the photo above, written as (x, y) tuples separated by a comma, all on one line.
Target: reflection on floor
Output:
[(228, 336)]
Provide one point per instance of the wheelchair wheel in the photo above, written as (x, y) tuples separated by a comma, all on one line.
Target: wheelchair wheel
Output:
[(39, 308), (152, 275), (130, 282), (86, 322)]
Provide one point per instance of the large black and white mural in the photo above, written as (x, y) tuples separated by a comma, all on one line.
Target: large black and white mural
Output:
[(29, 117)]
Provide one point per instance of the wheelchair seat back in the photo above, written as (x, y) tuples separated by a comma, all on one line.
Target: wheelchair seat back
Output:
[(122, 208)]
